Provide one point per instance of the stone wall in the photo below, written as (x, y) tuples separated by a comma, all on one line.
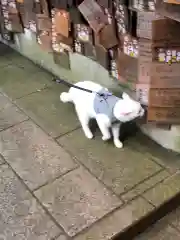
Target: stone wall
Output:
[(83, 68)]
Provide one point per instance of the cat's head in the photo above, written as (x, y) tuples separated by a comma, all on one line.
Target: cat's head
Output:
[(127, 109)]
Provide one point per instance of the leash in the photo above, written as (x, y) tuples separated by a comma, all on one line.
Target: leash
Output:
[(103, 95)]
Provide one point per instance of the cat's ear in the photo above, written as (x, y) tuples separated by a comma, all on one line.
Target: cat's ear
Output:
[(125, 96)]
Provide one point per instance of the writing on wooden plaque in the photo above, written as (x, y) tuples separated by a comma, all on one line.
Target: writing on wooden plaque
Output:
[(130, 46), (78, 47), (167, 55), (143, 5), (44, 40), (163, 115), (94, 14), (83, 33), (113, 68), (165, 75), (122, 18), (164, 97), (32, 26)]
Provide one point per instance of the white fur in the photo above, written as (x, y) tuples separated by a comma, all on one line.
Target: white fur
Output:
[(125, 110)]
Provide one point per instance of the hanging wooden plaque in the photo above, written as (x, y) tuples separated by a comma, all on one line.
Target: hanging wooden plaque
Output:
[(122, 18), (130, 46), (44, 23), (94, 14), (89, 51), (107, 37), (164, 115), (164, 97), (142, 5), (44, 40), (168, 55), (102, 56), (165, 31), (144, 61), (127, 67), (62, 59), (142, 93), (113, 63), (171, 11), (144, 23), (61, 22), (172, 1), (164, 75), (83, 33), (78, 47)]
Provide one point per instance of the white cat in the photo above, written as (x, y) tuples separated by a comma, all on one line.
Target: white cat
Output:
[(108, 110)]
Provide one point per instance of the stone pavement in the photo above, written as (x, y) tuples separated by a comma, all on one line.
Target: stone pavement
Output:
[(55, 183)]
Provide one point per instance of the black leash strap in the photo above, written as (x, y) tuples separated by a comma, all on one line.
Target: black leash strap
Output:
[(80, 88)]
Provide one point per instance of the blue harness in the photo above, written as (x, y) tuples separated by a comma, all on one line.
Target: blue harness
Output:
[(104, 103)]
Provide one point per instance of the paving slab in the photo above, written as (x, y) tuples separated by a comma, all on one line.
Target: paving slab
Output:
[(173, 218), (46, 109), (9, 114), (33, 155), (121, 219), (160, 231), (77, 200), (164, 157), (120, 170), (147, 184), (21, 216), (164, 190), (17, 82)]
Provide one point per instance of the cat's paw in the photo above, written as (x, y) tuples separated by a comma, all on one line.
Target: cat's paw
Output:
[(118, 144), (89, 135), (105, 138)]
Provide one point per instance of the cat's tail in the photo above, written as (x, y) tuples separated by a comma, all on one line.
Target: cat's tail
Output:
[(65, 97)]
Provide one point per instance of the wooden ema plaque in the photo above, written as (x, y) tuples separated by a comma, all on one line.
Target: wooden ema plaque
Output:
[(78, 47), (142, 5), (172, 1), (144, 23), (43, 22), (94, 14), (122, 18), (165, 32), (11, 18), (142, 93), (130, 46), (164, 115), (165, 97), (60, 43), (164, 75), (83, 33), (144, 61), (107, 37), (113, 63), (127, 67), (167, 55), (171, 11)]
